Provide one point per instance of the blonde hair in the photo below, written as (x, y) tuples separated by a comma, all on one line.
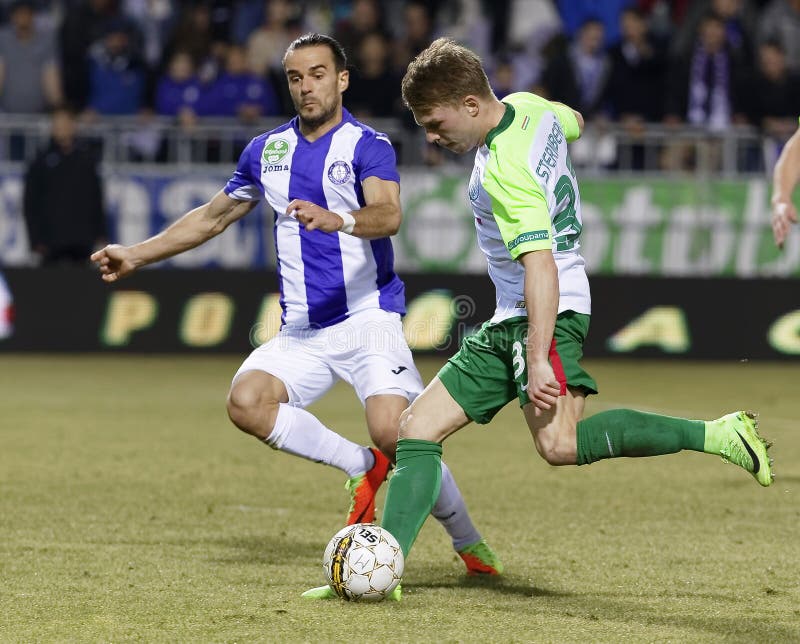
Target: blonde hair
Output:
[(443, 74)]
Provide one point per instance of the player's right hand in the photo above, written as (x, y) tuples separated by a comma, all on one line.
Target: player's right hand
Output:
[(114, 262), (784, 214), (543, 386)]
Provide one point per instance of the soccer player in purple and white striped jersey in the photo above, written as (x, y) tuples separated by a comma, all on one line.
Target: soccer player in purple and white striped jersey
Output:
[(333, 186)]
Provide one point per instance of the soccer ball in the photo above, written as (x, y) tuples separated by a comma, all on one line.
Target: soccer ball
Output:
[(363, 562)]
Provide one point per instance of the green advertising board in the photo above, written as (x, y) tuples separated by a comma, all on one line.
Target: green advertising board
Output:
[(639, 226)]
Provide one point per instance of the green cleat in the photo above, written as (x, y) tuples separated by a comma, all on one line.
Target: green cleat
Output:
[(736, 439), (326, 592), (322, 592), (480, 559)]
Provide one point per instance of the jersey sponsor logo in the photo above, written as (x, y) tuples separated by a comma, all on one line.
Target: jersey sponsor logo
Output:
[(549, 158), (339, 172), (274, 151), (399, 370), (534, 235), (276, 168)]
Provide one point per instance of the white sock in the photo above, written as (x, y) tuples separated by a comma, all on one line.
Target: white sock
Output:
[(300, 433), (451, 511)]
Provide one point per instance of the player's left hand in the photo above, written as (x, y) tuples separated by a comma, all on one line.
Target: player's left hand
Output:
[(784, 215), (543, 387), (313, 217)]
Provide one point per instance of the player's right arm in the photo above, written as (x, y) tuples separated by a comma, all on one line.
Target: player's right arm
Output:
[(784, 181), (523, 218), (194, 228)]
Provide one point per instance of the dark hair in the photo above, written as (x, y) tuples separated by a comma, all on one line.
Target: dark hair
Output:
[(774, 43), (712, 16), (633, 10), (591, 21), (315, 40), (64, 108)]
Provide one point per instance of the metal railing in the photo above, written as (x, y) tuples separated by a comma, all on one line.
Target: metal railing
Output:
[(153, 139), (610, 148)]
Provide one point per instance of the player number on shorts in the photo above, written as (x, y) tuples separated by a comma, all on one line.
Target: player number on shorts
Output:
[(517, 359), (567, 219)]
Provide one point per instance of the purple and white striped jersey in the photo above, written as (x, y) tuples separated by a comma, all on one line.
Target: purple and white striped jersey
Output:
[(324, 277)]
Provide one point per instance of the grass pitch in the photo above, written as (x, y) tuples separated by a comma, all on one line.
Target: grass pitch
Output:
[(131, 510)]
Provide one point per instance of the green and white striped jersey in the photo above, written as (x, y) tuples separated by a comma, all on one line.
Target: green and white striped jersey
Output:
[(524, 196)]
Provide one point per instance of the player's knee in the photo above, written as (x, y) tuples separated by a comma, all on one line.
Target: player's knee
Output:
[(386, 442), (405, 419), (556, 445), (248, 408)]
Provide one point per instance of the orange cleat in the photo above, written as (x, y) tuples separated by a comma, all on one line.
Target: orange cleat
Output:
[(480, 559), (363, 489)]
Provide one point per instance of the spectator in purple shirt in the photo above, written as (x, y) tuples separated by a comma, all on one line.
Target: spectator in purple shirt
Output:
[(238, 91), (178, 91), (117, 75)]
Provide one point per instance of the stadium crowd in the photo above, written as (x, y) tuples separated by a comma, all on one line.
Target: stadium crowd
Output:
[(710, 63)]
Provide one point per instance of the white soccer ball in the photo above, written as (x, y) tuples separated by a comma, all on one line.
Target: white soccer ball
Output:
[(363, 562)]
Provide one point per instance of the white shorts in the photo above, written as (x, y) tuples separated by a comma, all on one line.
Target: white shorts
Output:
[(368, 351)]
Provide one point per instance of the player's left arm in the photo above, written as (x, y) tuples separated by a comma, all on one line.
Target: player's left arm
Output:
[(784, 180), (571, 120)]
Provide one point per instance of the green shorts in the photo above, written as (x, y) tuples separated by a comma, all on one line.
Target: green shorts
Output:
[(490, 368)]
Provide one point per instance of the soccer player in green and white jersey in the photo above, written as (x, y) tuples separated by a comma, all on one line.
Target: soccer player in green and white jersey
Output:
[(526, 204)]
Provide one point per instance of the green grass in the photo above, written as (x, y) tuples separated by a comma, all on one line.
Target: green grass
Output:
[(131, 510)]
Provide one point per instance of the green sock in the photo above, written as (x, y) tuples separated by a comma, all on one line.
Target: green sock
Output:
[(413, 489), (626, 432)]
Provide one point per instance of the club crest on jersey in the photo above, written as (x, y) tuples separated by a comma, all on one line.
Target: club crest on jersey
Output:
[(274, 151), (339, 172)]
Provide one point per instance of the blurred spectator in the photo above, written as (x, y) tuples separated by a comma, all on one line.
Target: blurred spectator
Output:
[(178, 91), (700, 88), (780, 22), (6, 310), (673, 10), (268, 42), (366, 16), (116, 73), (29, 75), (418, 33), (154, 21), (635, 89), (193, 34), (470, 22), (63, 203), (239, 92), (578, 76), (82, 26), (501, 78), (532, 26), (739, 17), (576, 13), (41, 8), (374, 89), (770, 97)]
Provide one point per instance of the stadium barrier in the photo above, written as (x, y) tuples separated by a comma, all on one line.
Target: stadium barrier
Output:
[(64, 310), (637, 226)]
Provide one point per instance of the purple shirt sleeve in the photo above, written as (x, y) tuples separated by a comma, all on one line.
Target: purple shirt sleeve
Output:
[(375, 157), (243, 185)]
